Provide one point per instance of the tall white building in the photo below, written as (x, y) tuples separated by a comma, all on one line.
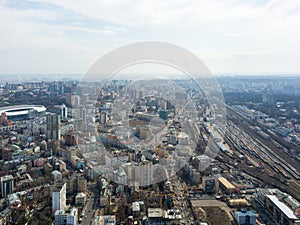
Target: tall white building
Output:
[(62, 217), (76, 100), (146, 173), (7, 185), (63, 111), (103, 117), (59, 197)]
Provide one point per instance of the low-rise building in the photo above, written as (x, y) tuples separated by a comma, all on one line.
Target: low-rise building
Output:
[(14, 201), (105, 220), (56, 176), (245, 217), (228, 187), (62, 217), (156, 216), (80, 199), (5, 216)]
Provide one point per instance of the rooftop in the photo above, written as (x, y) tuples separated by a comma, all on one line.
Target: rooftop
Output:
[(249, 213), (155, 212), (284, 209), (226, 183), (59, 212), (6, 178), (21, 109)]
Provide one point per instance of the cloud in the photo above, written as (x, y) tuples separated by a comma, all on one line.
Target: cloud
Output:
[(106, 30), (222, 30)]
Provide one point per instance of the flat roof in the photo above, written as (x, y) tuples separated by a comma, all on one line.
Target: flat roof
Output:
[(155, 212), (59, 212), (6, 178), (283, 208), (222, 146), (226, 183), (232, 201), (58, 187), (249, 213), (136, 207)]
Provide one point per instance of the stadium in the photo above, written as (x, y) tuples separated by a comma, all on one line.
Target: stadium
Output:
[(22, 112)]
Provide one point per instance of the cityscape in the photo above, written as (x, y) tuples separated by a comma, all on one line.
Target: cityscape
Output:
[(149, 112), (122, 155)]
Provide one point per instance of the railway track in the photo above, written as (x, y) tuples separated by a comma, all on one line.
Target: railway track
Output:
[(260, 150)]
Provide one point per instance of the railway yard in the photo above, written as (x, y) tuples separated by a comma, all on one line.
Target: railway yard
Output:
[(266, 160)]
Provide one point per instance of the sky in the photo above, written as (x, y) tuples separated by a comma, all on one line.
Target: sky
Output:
[(232, 37)]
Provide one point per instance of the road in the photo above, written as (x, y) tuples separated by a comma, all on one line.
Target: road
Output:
[(181, 201), (92, 205)]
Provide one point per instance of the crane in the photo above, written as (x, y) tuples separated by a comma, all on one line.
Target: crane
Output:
[(160, 198)]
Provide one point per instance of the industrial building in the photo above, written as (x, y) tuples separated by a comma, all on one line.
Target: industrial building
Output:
[(228, 187)]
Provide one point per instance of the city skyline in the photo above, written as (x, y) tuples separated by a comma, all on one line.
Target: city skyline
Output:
[(153, 152)]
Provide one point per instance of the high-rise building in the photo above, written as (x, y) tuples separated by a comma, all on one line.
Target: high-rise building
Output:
[(61, 88), (281, 212), (7, 185), (82, 112), (146, 173), (73, 100), (141, 94), (70, 100), (81, 184), (103, 117), (62, 217), (84, 99), (268, 99), (71, 139), (59, 197), (53, 126), (112, 95), (76, 100), (63, 111)]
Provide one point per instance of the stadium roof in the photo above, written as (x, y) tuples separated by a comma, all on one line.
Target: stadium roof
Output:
[(21, 109)]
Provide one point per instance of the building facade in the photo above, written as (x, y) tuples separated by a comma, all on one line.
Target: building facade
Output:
[(245, 217), (59, 197), (7, 185), (53, 126), (62, 217)]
